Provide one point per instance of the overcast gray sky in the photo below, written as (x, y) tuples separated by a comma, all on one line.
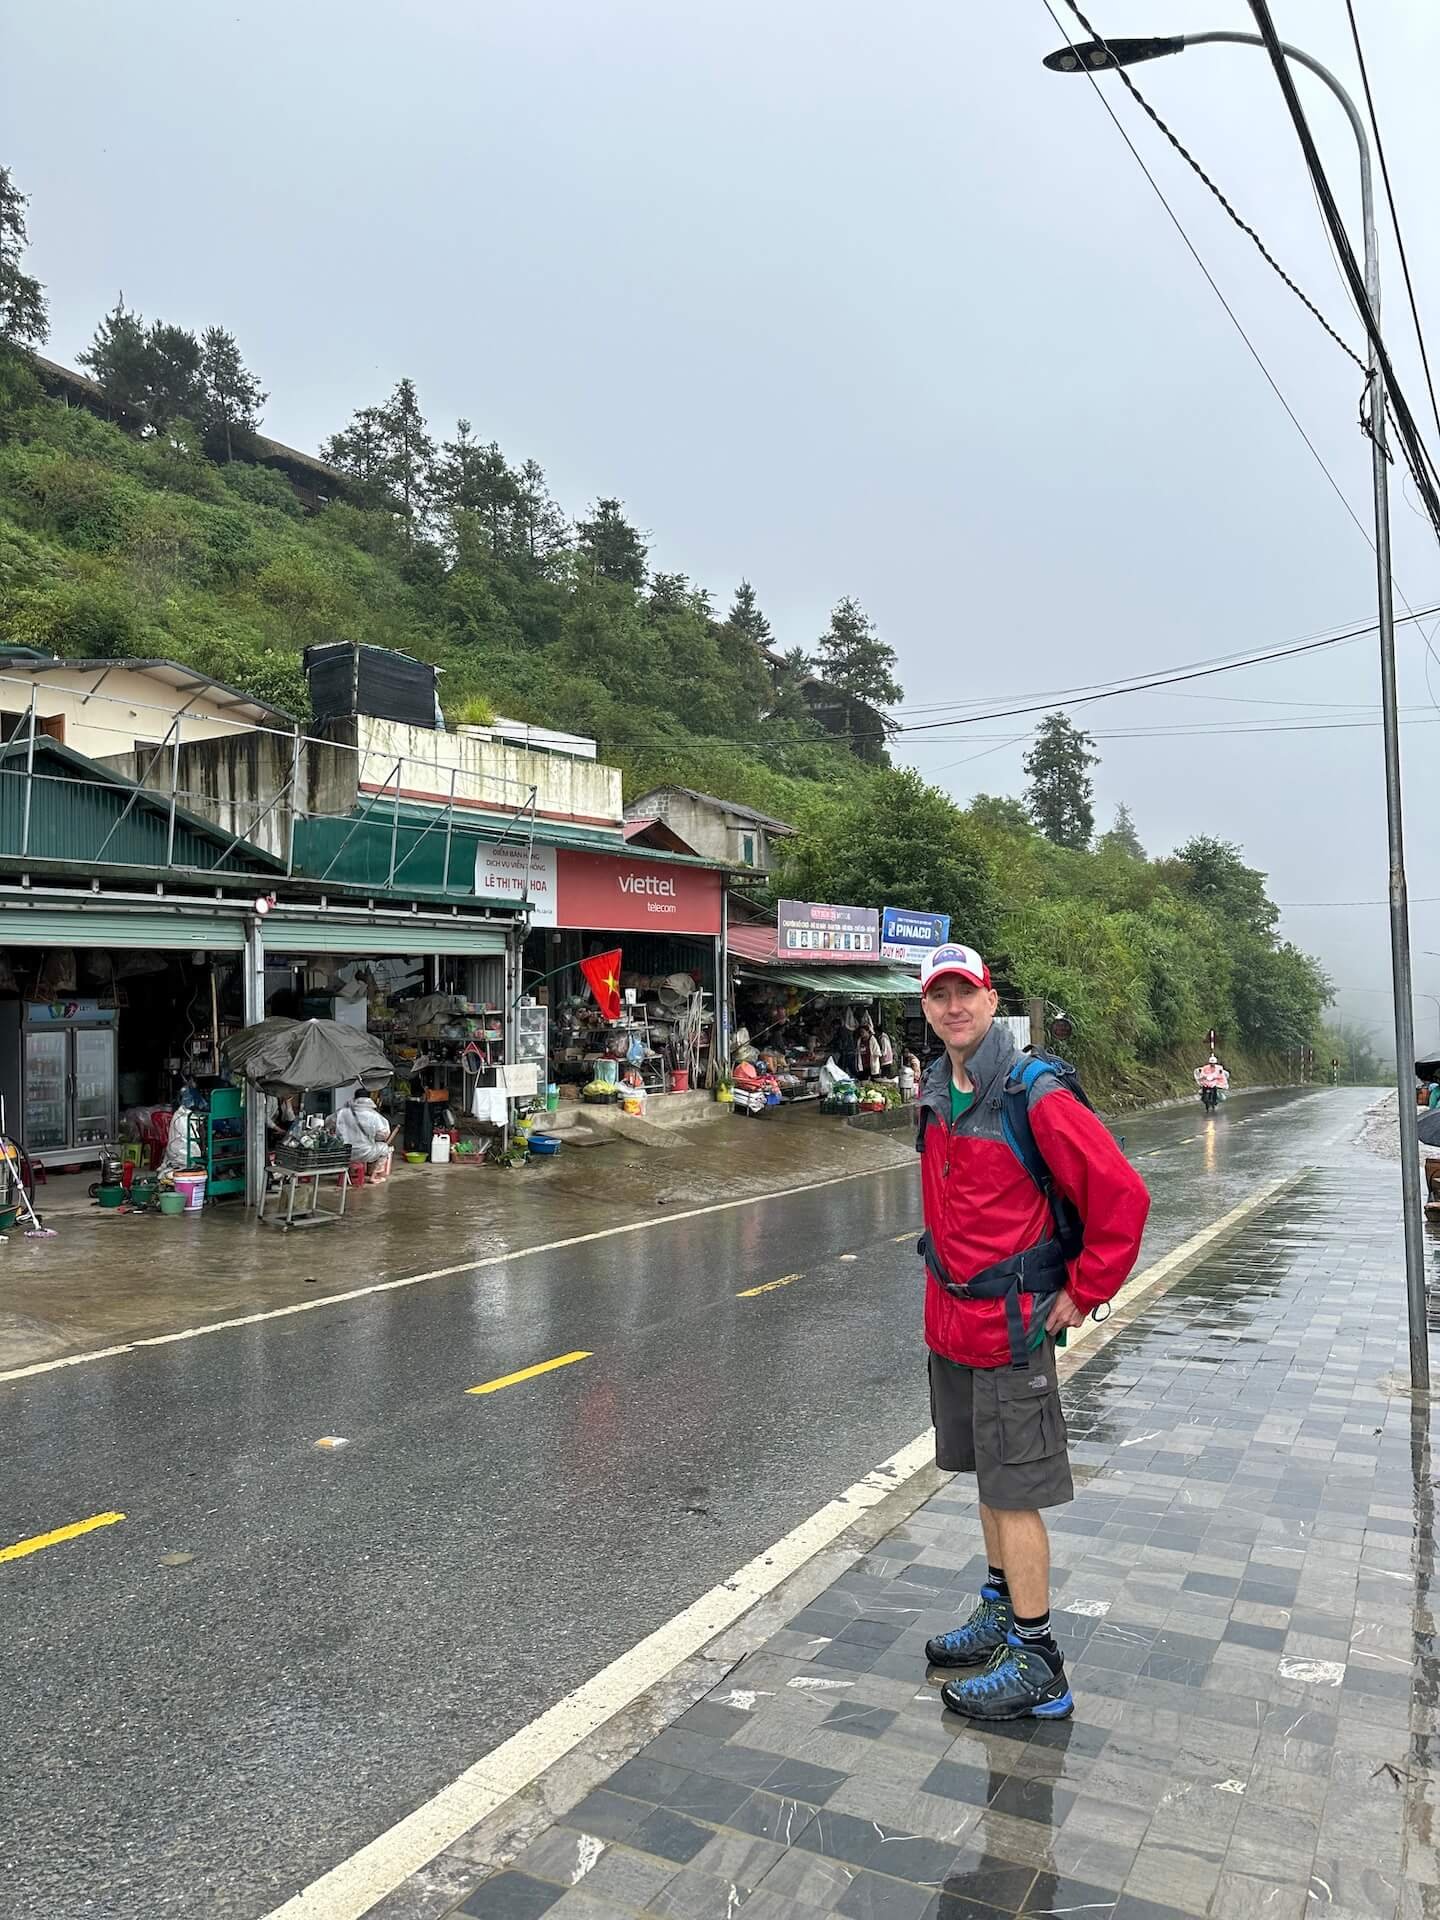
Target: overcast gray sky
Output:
[(846, 299)]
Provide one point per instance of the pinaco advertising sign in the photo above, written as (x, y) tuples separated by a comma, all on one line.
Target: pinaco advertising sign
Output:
[(905, 936)]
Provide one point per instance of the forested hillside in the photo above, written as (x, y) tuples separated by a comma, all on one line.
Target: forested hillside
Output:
[(155, 533)]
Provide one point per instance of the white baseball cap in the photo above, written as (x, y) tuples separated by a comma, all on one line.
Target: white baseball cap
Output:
[(952, 959)]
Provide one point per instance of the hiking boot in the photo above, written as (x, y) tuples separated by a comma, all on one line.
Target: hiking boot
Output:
[(974, 1642), (1019, 1683)]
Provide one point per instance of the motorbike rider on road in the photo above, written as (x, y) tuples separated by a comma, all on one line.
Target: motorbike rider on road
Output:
[(1213, 1080)]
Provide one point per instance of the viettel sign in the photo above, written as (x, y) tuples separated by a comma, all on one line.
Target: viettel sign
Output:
[(604, 893)]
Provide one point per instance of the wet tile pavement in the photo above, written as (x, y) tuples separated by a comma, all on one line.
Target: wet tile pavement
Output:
[(1242, 1588)]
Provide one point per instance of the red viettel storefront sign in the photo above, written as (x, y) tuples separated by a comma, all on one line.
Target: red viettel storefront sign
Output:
[(593, 890)]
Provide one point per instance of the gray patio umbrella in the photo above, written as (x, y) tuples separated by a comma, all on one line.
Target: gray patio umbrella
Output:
[(1428, 1128), (307, 1053)]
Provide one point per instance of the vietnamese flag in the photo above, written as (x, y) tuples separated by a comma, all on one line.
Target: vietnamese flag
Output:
[(602, 976)]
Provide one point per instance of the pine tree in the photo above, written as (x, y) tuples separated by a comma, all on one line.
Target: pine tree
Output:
[(541, 529), (391, 458), (150, 373), (787, 704), (409, 454), (852, 656), (172, 356), (611, 546), (1122, 837), (746, 618), (477, 494), (360, 451), (230, 395), (24, 317), (671, 593), (1060, 790), (118, 357)]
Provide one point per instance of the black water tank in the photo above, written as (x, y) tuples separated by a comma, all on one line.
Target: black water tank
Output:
[(346, 679)]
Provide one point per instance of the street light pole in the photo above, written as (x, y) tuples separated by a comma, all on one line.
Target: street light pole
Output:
[(1095, 56)]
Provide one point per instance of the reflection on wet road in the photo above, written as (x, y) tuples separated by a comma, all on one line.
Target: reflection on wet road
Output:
[(287, 1646)]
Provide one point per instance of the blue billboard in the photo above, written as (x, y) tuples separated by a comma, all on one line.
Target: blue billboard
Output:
[(905, 936)]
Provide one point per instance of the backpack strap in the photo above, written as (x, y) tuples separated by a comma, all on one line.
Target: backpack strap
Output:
[(1019, 1090)]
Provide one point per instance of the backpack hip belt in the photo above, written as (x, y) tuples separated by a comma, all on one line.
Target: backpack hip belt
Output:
[(1040, 1271)]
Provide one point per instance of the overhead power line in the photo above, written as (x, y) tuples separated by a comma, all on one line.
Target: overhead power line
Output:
[(1194, 252), (1151, 682), (1200, 173), (1240, 657), (1394, 214), (1409, 433), (1339, 493), (960, 722)]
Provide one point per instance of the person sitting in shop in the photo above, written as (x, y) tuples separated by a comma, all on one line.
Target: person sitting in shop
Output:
[(364, 1129), (909, 1075), (282, 1110), (185, 1146)]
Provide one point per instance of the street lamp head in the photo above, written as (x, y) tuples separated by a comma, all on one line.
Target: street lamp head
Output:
[(1095, 56)]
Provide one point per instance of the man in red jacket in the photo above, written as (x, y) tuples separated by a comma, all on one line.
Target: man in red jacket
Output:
[(1006, 1273)]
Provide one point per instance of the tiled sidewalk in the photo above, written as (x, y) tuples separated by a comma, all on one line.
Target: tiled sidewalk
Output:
[(1242, 1586)]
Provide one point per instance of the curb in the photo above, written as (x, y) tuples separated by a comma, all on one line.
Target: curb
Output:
[(502, 1833)]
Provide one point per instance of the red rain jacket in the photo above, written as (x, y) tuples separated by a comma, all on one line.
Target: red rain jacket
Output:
[(981, 1206)]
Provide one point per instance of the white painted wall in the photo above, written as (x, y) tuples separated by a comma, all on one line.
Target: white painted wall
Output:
[(127, 707), (487, 772)]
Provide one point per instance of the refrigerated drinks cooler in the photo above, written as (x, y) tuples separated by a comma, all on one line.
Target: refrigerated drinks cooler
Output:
[(57, 1073)]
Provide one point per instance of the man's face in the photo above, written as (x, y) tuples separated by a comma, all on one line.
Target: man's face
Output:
[(958, 1011)]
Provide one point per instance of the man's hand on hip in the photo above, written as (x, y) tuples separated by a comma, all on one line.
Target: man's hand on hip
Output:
[(1066, 1312)]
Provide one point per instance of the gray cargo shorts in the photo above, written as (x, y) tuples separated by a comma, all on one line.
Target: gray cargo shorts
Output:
[(1005, 1425)]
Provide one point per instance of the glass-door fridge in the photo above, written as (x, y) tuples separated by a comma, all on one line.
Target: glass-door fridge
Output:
[(57, 1074)]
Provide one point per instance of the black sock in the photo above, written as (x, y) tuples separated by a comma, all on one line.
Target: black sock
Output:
[(1036, 1633), (995, 1579)]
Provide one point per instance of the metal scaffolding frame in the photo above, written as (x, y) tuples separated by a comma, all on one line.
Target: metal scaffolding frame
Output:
[(516, 824)]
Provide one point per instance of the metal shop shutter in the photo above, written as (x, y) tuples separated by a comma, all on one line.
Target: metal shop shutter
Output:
[(283, 934), (110, 926)]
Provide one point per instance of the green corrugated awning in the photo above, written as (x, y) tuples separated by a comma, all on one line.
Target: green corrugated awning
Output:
[(863, 983), (405, 934), (106, 923)]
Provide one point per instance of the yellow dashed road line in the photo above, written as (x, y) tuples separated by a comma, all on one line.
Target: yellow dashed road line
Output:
[(529, 1373), (20, 1548), (769, 1286)]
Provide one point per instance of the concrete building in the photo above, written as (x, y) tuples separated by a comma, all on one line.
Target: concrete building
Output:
[(105, 707), (717, 829)]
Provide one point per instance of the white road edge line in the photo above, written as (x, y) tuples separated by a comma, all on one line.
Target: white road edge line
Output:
[(436, 1273), (348, 1891), (1162, 1268)]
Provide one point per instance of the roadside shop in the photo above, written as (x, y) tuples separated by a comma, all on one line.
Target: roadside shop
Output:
[(663, 914), (138, 937), (812, 987)]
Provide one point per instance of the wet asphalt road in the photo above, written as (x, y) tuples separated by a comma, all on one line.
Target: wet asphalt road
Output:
[(350, 1629)]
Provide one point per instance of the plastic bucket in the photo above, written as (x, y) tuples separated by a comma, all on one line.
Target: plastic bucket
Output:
[(680, 1080), (191, 1186), (172, 1203)]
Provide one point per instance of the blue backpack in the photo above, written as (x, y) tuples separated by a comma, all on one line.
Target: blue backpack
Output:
[(1019, 1136)]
